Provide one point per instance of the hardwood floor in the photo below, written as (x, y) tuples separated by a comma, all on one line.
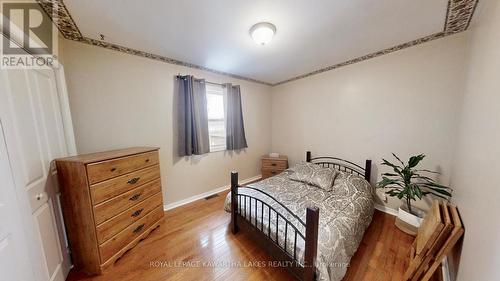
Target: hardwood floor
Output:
[(198, 233)]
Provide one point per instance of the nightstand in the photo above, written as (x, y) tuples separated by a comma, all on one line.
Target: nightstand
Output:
[(273, 165)]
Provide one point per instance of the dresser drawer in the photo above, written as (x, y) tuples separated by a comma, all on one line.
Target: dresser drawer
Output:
[(274, 164), (120, 203), (120, 240), (100, 171), (108, 189), (266, 173), (111, 227)]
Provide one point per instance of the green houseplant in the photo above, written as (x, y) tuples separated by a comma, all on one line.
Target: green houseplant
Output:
[(408, 183)]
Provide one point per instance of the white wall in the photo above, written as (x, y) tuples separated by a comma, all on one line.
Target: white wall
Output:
[(474, 176), (406, 102), (119, 100)]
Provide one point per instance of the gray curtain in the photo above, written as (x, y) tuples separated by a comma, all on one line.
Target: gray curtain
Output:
[(192, 116), (235, 130)]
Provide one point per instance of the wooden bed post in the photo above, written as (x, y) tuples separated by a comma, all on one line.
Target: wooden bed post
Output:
[(234, 202), (308, 156), (312, 223), (368, 170)]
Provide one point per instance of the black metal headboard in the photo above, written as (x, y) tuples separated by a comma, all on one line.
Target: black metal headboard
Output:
[(342, 165)]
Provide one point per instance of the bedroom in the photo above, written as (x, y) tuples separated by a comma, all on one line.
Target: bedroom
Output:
[(355, 80)]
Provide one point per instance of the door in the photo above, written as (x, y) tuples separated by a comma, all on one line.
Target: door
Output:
[(14, 255), (34, 130)]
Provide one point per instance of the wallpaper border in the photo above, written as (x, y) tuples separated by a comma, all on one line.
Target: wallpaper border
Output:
[(458, 17)]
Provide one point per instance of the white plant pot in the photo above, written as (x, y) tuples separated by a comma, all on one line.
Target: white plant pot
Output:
[(410, 218)]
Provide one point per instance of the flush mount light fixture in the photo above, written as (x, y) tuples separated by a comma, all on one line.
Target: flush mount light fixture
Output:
[(262, 33)]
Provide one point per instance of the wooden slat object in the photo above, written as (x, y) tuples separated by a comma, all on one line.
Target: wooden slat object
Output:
[(457, 232), (438, 243), (429, 248), (427, 233), (430, 229)]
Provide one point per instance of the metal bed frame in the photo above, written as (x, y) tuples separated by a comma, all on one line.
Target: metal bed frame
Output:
[(242, 221)]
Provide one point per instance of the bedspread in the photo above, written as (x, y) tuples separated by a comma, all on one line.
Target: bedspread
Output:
[(345, 213)]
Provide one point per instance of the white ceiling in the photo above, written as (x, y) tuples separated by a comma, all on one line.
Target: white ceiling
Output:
[(311, 34)]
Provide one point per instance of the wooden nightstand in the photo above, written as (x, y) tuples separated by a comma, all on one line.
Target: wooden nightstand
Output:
[(273, 165)]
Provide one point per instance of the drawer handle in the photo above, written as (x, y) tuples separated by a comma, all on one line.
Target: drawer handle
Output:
[(147, 160), (135, 197), (139, 228), (273, 164), (137, 213), (113, 169), (273, 172), (134, 180)]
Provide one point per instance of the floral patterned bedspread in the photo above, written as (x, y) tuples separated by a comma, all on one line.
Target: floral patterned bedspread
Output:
[(345, 213)]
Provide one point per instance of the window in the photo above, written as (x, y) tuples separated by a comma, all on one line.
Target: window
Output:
[(216, 109)]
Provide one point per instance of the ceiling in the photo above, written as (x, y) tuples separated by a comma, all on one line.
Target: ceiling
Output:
[(214, 34)]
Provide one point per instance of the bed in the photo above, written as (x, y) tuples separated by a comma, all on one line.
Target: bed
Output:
[(310, 231)]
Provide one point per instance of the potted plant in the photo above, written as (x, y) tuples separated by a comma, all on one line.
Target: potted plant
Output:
[(409, 184)]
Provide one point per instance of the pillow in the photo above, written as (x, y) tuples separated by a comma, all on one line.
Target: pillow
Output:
[(314, 174)]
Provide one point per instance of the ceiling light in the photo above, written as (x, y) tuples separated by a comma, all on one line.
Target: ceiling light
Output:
[(262, 33)]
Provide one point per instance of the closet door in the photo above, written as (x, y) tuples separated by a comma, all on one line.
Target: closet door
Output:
[(35, 136), (14, 255)]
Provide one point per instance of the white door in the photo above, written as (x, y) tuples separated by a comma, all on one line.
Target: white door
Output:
[(14, 254), (30, 108)]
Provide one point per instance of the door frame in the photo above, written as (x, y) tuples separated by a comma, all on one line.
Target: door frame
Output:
[(69, 136), (62, 91)]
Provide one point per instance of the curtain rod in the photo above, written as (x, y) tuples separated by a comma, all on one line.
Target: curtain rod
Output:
[(206, 82)]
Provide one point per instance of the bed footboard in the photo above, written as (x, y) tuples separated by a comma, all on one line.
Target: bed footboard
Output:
[(241, 222)]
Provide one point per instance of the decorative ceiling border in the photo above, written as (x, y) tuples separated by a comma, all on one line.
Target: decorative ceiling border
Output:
[(458, 17), (61, 17)]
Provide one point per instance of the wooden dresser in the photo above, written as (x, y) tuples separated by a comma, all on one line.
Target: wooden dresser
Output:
[(273, 165), (111, 200)]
